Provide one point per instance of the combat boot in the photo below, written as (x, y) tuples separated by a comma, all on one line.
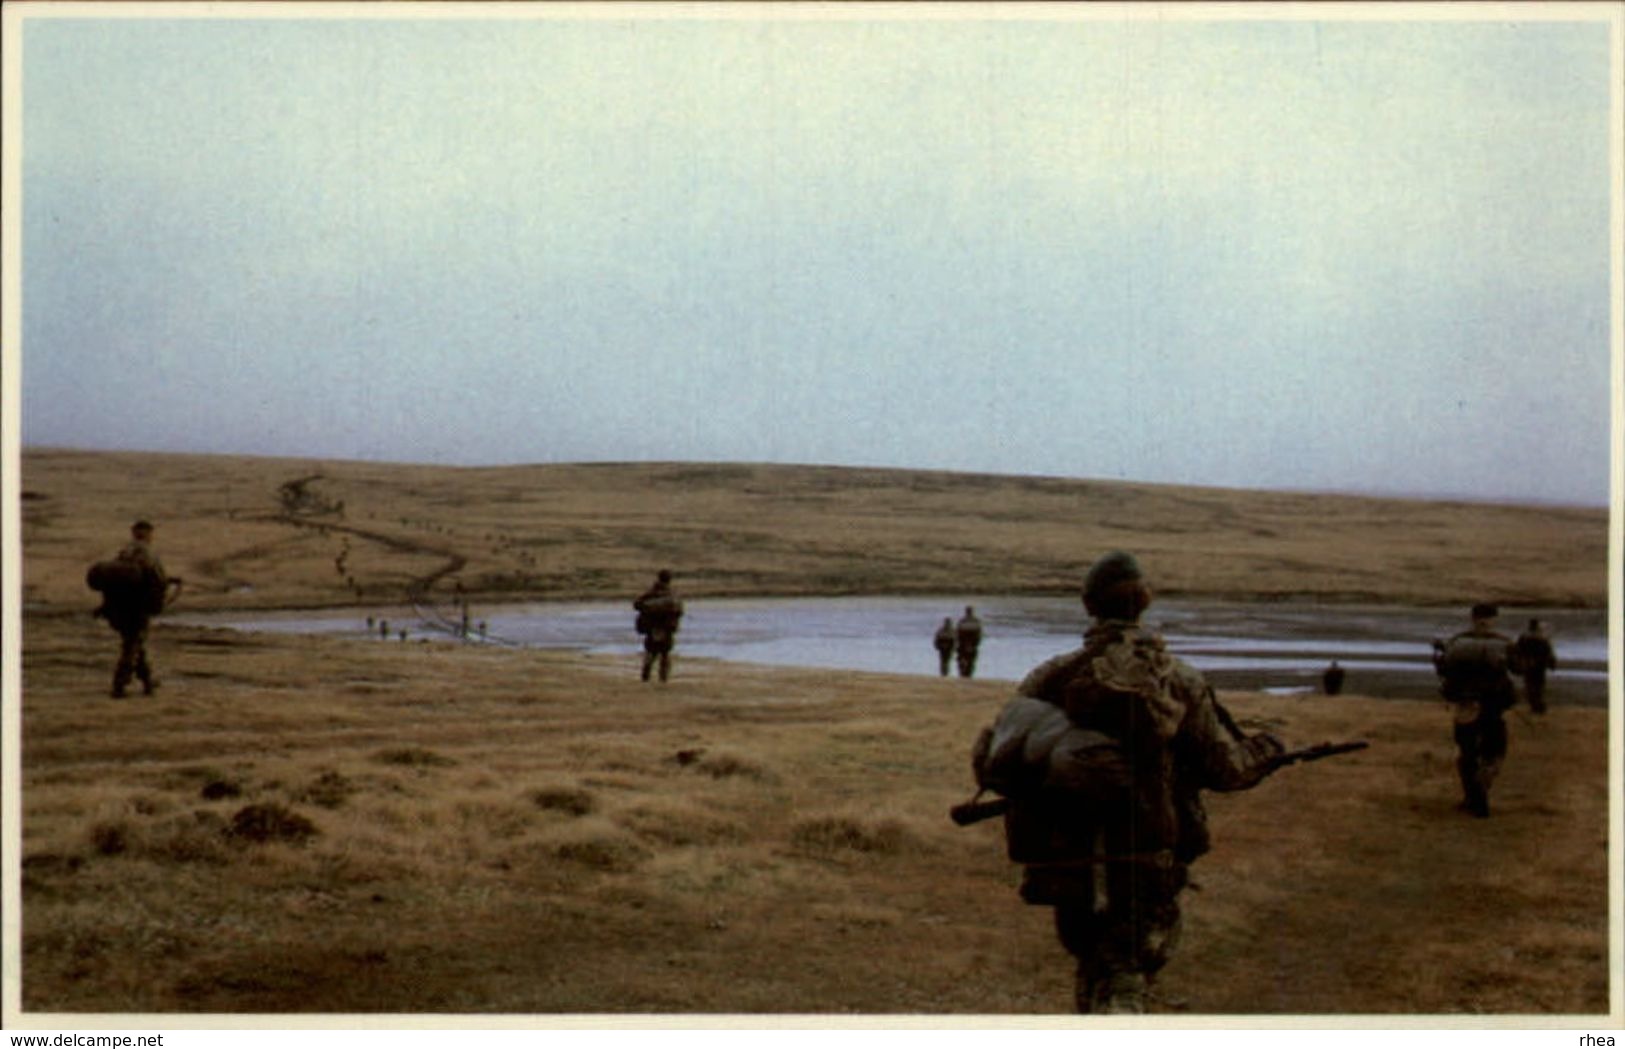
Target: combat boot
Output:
[(1121, 993)]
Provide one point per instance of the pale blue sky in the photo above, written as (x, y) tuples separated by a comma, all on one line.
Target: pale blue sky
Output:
[(1347, 255)]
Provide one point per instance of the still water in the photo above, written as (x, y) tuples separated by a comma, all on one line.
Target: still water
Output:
[(1284, 645)]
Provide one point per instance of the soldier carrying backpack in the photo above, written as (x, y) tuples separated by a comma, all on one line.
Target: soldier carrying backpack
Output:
[(1101, 759), (1475, 675), (659, 611), (134, 589)]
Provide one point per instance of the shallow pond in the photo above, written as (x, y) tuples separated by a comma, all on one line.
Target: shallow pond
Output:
[(1277, 646)]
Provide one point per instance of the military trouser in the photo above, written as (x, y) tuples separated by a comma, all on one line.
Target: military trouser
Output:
[(132, 658), (1534, 689), (945, 655), (1481, 746), (1122, 930), (657, 650), (967, 661)]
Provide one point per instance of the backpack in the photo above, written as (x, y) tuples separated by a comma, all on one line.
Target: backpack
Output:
[(1475, 667), (127, 588), (657, 613), (1098, 755)]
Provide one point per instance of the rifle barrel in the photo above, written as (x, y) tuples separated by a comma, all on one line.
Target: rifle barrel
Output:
[(1323, 750)]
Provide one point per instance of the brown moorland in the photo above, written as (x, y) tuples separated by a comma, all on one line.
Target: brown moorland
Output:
[(316, 825)]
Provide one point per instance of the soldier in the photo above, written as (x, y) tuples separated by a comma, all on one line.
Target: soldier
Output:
[(944, 642), (1332, 680), (658, 613), (1474, 671), (1113, 869), (967, 639), (130, 611), (1535, 657)]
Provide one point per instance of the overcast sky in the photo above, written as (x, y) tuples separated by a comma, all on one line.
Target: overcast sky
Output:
[(1348, 255)]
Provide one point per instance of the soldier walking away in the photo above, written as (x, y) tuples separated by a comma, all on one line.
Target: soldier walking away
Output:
[(1535, 657), (659, 611), (967, 640), (1332, 680), (944, 642), (1109, 818), (1474, 676), (134, 588)]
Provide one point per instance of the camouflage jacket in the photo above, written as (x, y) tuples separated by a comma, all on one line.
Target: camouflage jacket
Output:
[(1188, 745), (137, 552), (659, 611)]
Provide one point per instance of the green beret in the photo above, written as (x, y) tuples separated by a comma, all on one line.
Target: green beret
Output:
[(1116, 567)]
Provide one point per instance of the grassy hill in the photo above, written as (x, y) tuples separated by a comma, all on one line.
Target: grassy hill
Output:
[(263, 533)]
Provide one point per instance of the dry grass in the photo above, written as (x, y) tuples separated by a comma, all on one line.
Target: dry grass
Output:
[(320, 825)]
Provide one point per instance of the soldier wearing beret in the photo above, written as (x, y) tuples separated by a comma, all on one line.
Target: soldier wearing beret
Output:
[(1114, 871)]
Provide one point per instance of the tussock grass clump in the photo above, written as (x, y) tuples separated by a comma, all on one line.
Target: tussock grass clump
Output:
[(602, 848), (216, 789), (569, 800), (416, 757), (675, 823), (193, 837), (731, 766), (263, 823), (850, 834), (329, 790), (200, 837)]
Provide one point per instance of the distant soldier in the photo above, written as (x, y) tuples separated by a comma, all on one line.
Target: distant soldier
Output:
[(1474, 677), (1332, 680), (136, 588), (659, 611), (1535, 658), (1108, 838), (944, 642), (967, 640)]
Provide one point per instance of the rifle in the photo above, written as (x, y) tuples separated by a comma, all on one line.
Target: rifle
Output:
[(1316, 752), (974, 811)]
